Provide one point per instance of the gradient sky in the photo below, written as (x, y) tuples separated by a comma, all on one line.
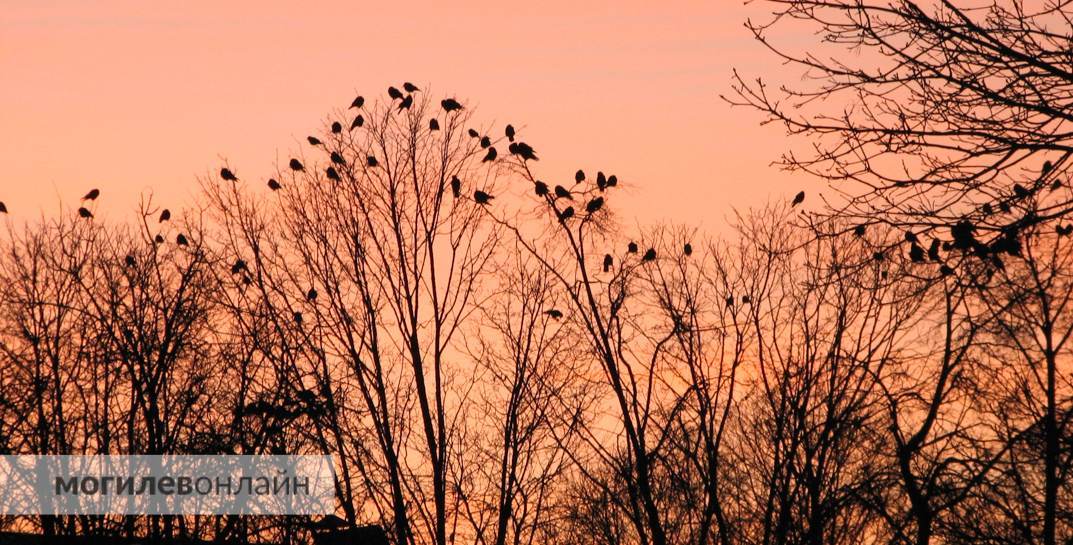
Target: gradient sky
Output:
[(141, 96)]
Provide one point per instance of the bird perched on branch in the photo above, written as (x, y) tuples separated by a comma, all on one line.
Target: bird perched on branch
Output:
[(631, 248), (165, 215), (410, 88), (226, 174), (92, 195), (594, 205), (358, 121), (456, 186), (524, 150), (554, 313), (450, 104), (85, 213), (406, 103), (273, 184), (688, 249), (295, 164), (650, 255), (332, 174), (481, 197), (490, 156), (562, 193), (3, 208), (567, 213), (181, 240), (337, 127), (509, 131), (337, 159), (608, 261), (311, 295), (394, 93), (798, 199), (371, 161), (433, 124), (916, 253), (238, 267), (579, 176), (485, 142), (540, 188), (313, 140), (358, 102)]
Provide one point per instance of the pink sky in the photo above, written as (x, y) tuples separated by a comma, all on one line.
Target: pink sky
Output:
[(137, 96)]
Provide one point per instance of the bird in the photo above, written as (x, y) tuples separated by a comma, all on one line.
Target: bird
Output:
[(933, 250), (579, 176), (226, 174), (332, 174), (567, 213), (1056, 185), (456, 186), (298, 317), (745, 299), (313, 140), (3, 208), (358, 121), (540, 188), (910, 236), (129, 260), (987, 208), (688, 249), (612, 180), (562, 193), (238, 267), (165, 215), (878, 256), (394, 93), (594, 205), (311, 295), (601, 180), (1047, 166), (554, 313), (337, 159), (481, 197), (450, 104), (1064, 231), (92, 195), (410, 88), (336, 127), (486, 142), (798, 199), (490, 156), (608, 261), (473, 133), (181, 240), (85, 213), (859, 230), (433, 124), (371, 161), (273, 184), (650, 255), (406, 103), (916, 253), (1019, 191), (295, 164), (358, 102), (525, 150), (159, 239), (946, 270), (631, 248), (509, 131)]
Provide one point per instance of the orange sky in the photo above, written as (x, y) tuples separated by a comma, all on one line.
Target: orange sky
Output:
[(135, 96)]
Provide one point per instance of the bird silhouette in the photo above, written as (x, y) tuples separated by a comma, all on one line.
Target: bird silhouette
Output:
[(3, 208), (879, 256), (745, 299), (987, 208), (859, 230), (910, 236), (313, 140), (632, 248), (579, 176), (798, 199), (490, 156), (371, 161), (473, 133), (92, 195), (450, 105), (567, 213), (433, 124), (554, 313), (933, 250), (730, 301), (238, 267), (165, 215), (481, 197), (964, 236), (1056, 185), (650, 255), (1047, 166), (594, 205), (337, 159), (1004, 206), (1064, 231), (332, 174), (226, 174), (612, 180), (273, 184), (336, 127), (358, 102), (358, 121), (916, 253), (159, 239), (688, 249), (295, 164), (486, 142), (311, 295), (394, 93), (181, 240), (85, 213), (562, 193), (410, 88), (1020, 191), (946, 270), (298, 317), (509, 131), (601, 180), (540, 188), (406, 103), (524, 150), (456, 186), (608, 261)]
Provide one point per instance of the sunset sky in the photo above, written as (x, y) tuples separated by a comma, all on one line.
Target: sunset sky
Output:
[(132, 97)]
